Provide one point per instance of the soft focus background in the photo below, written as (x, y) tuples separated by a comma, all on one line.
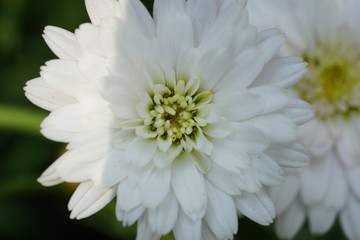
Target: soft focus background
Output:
[(28, 210)]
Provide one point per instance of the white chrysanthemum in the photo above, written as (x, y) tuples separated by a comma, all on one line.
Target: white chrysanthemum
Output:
[(183, 117), (327, 34)]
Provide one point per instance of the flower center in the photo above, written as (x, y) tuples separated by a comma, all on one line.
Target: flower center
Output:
[(174, 113), (332, 84)]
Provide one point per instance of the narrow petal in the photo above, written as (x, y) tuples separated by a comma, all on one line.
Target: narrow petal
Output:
[(268, 171), (140, 151), (162, 219), (285, 193), (289, 155), (229, 156), (290, 222), (277, 128), (221, 213), (172, 23), (298, 111), (321, 219), (157, 186), (315, 180), (50, 176), (271, 40), (114, 169), (99, 9), (239, 105), (186, 228), (256, 206), (62, 42), (128, 218), (282, 72), (244, 70), (42, 95), (144, 231), (202, 14), (127, 197), (251, 139), (189, 187), (88, 199)]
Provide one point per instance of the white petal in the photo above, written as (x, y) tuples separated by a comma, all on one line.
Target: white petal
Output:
[(42, 95), (282, 72), (61, 42), (172, 24), (114, 168), (163, 159), (134, 12), (164, 144), (239, 105), (283, 194), (273, 98), (187, 229), (202, 14), (157, 186), (298, 111), (244, 70), (338, 191), (220, 129), (50, 176), (64, 76), (144, 231), (321, 219), (99, 9), (354, 179), (251, 139), (203, 145), (347, 146), (88, 199), (211, 67), (128, 218), (256, 206), (220, 33), (163, 218), (290, 222), (224, 180), (127, 197), (202, 162), (229, 156), (352, 212), (289, 155), (189, 187), (140, 151), (206, 232), (244, 37), (271, 42), (221, 213), (268, 171), (315, 180), (316, 137), (277, 128)]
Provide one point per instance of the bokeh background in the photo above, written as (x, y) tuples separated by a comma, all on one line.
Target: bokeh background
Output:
[(28, 210)]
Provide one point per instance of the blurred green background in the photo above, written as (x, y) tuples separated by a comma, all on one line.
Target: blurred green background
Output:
[(28, 210)]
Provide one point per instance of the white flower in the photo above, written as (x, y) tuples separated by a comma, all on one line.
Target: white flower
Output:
[(326, 33), (184, 117)]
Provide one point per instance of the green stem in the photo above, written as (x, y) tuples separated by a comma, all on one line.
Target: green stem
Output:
[(14, 118)]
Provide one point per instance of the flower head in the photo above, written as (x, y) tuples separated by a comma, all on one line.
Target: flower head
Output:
[(326, 34), (183, 117)]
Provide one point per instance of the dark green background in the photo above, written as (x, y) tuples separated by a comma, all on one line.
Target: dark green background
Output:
[(28, 210)]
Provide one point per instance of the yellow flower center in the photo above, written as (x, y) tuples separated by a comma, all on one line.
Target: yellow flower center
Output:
[(333, 82), (174, 113)]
